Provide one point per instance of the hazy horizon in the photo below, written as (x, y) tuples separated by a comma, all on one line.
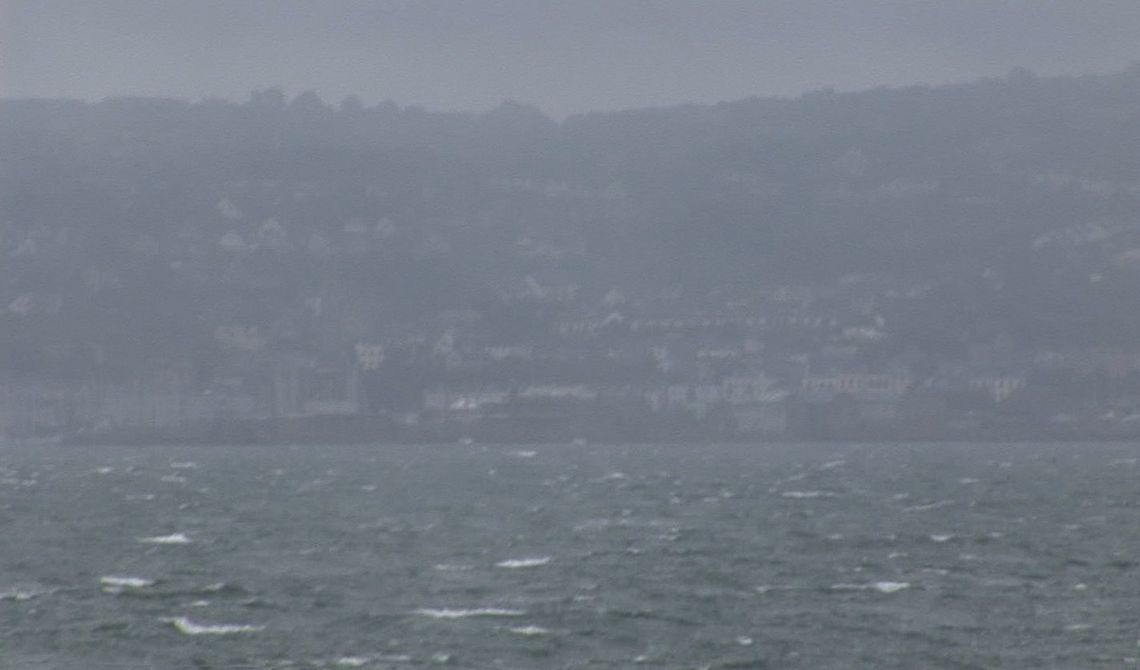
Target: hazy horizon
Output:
[(564, 59)]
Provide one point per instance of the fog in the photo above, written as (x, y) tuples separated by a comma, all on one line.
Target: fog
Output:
[(235, 222), (563, 57), (599, 333)]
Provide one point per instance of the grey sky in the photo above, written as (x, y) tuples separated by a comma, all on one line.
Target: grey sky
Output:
[(566, 57)]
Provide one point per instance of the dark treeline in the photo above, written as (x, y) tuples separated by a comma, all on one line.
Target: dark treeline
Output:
[(131, 230)]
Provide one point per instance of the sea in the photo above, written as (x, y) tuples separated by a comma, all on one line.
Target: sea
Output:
[(570, 556)]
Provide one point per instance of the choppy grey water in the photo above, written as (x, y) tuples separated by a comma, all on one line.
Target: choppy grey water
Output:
[(839, 556)]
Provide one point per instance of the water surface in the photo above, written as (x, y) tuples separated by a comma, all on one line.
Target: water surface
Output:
[(743, 556)]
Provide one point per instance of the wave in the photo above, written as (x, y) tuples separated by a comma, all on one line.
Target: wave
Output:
[(524, 562), (361, 661), (173, 538), (881, 587), (928, 506), (804, 495), (448, 613), (529, 630), (187, 627), (117, 583), (23, 593), (451, 567)]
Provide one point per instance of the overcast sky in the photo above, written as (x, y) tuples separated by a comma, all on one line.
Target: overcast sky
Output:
[(565, 56)]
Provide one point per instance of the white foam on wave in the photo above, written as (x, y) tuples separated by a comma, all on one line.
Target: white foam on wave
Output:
[(117, 583), (362, 661), (188, 627), (833, 464), (890, 587), (941, 537), (172, 479), (524, 453), (807, 495), (23, 593), (451, 567), (928, 506), (529, 630), (881, 587), (449, 613), (173, 538), (183, 465), (104, 470), (530, 562)]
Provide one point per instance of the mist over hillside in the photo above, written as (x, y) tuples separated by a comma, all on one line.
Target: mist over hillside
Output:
[(148, 235)]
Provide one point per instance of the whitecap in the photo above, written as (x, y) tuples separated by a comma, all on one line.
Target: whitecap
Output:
[(448, 613), (941, 537), (524, 453), (928, 506), (186, 626), (172, 479), (352, 661), (23, 593), (183, 465), (805, 495), (173, 538), (533, 562), (529, 630), (890, 587), (118, 583), (744, 641), (881, 587), (451, 567), (104, 470), (833, 464)]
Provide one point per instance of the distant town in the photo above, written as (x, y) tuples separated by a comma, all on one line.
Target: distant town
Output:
[(790, 363), (927, 263)]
